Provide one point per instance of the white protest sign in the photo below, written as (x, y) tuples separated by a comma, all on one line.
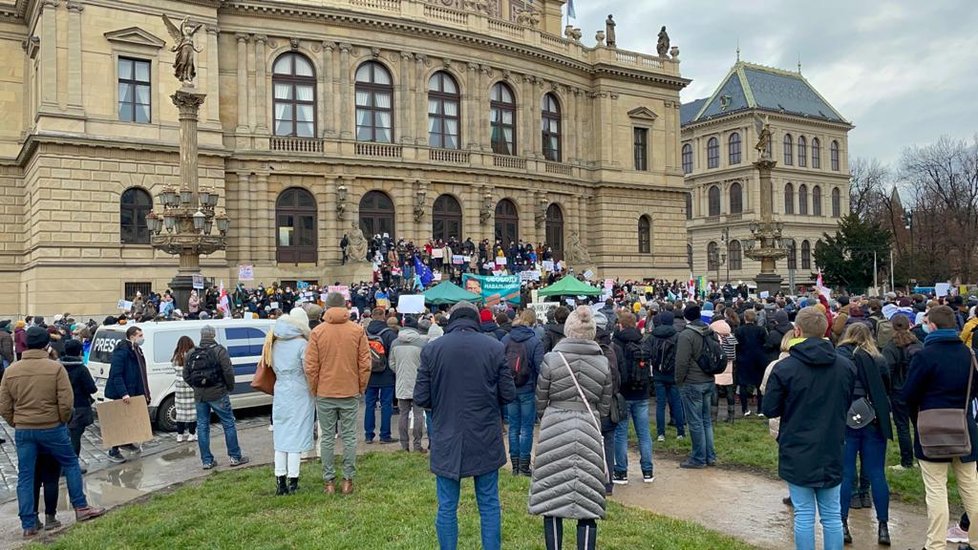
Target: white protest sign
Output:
[(411, 303), (548, 265), (942, 289), (500, 260), (246, 272), (588, 274)]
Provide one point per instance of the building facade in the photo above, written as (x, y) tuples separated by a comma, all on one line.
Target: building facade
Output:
[(811, 179), (417, 118)]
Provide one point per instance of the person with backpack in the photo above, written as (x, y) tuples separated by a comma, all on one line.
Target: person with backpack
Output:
[(898, 354), (698, 358), (635, 385), (882, 327), (662, 351), (380, 338), (208, 370), (524, 356)]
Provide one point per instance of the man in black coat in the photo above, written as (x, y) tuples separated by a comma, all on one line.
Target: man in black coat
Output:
[(127, 378), (811, 391), (464, 381), (381, 384)]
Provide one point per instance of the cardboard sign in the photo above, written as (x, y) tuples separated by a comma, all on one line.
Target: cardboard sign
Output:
[(198, 281), (942, 289), (246, 272), (124, 305), (529, 275), (411, 303), (123, 423), (438, 253)]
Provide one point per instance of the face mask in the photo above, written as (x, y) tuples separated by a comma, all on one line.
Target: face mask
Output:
[(140, 341), (927, 329)]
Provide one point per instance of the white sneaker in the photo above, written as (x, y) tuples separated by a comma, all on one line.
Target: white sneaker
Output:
[(271, 427), (680, 437), (661, 438), (181, 438), (748, 413), (192, 437), (957, 534)]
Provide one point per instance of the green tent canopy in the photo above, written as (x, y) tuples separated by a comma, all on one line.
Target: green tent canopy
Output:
[(448, 292), (570, 286)]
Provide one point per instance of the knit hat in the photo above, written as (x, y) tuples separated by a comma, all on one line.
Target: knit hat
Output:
[(410, 321), (19, 324), (720, 327), (580, 324), (485, 316), (37, 338), (600, 321), (692, 312), (463, 310), (73, 348), (666, 318)]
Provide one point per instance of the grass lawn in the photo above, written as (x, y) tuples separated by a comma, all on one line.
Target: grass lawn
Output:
[(393, 508), (748, 444)]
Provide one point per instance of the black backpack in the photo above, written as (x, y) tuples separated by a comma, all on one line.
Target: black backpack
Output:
[(518, 361), (639, 368), (664, 355), (712, 359), (205, 369)]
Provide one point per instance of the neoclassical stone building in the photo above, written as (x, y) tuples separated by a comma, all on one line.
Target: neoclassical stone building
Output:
[(473, 118), (811, 179)]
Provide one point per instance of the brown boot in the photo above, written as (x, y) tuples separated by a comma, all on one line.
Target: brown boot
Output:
[(330, 487), (346, 487), (87, 513)]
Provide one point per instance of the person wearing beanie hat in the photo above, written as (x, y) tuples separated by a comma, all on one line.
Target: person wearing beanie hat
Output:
[(405, 359), (724, 382), (36, 399), (82, 387), (466, 422), (663, 364), (293, 407), (488, 324), (696, 388)]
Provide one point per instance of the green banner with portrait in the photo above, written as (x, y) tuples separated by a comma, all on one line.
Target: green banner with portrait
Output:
[(493, 289)]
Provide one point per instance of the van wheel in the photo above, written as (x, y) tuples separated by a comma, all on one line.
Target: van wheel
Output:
[(166, 415)]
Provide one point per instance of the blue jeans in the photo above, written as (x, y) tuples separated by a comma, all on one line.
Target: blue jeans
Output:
[(57, 443), (803, 499), (696, 403), (222, 408), (639, 412), (668, 393), (490, 514), (522, 415), (870, 443), (386, 396)]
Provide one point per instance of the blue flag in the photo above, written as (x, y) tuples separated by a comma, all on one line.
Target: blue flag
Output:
[(424, 273), (571, 12)]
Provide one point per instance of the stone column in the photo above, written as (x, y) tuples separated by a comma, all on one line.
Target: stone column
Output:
[(346, 127), (471, 111), (188, 102), (213, 75), (245, 220), (330, 253), (326, 83), (569, 138), (582, 218), (49, 55), (481, 108), (261, 86), (264, 238), (527, 138), (405, 103), (421, 98), (75, 90), (242, 82), (253, 95), (584, 104)]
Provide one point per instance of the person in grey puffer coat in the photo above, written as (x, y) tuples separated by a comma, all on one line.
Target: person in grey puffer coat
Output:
[(570, 470), (405, 359)]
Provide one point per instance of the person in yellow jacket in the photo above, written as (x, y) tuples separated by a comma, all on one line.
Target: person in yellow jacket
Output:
[(967, 333)]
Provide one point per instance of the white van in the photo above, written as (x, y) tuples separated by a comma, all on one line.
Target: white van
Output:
[(243, 339)]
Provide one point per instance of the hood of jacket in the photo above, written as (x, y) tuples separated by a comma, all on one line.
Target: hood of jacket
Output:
[(409, 336), (700, 327), (286, 329), (72, 363), (664, 331), (602, 336), (489, 326), (462, 324), (376, 326), (814, 352), (630, 334), (337, 315), (521, 333), (554, 328)]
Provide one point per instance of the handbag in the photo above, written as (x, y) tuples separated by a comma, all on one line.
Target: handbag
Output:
[(619, 408), (861, 414), (597, 425), (264, 380), (943, 433)]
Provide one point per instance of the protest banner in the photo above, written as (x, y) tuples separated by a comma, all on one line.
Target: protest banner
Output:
[(410, 303), (458, 260), (122, 423), (301, 285), (246, 272), (541, 309), (493, 289), (529, 276)]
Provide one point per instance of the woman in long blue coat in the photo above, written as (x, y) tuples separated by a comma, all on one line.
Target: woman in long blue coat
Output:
[(293, 407)]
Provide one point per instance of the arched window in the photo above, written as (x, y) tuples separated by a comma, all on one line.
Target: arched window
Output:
[(713, 153), (792, 255), (294, 85), (644, 235), (802, 151), (806, 255), (507, 222), (375, 103), (689, 206), (687, 159), (836, 203), (555, 229), (502, 117), (376, 214), (446, 218), (736, 198), (712, 257), (803, 199), (816, 153), (789, 146), (735, 256), (834, 154), (295, 215), (733, 148), (689, 256), (816, 201), (713, 197), (550, 127), (443, 112), (133, 207), (789, 199)]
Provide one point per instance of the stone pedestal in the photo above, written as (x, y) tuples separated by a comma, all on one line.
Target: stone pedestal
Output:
[(769, 282), (182, 285)]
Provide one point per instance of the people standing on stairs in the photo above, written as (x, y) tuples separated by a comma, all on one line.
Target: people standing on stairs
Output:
[(524, 357), (574, 390), (405, 361), (635, 386), (724, 382), (183, 396)]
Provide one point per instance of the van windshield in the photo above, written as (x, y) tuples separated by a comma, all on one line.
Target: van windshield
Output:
[(104, 344)]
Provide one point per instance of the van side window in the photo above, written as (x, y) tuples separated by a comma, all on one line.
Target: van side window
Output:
[(165, 342), (244, 341)]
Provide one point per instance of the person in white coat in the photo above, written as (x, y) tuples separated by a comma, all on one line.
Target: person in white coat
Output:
[(293, 407)]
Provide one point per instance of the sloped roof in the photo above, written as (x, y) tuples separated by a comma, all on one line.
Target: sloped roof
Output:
[(688, 111), (750, 86)]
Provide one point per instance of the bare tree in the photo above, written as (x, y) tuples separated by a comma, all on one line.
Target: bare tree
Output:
[(868, 197)]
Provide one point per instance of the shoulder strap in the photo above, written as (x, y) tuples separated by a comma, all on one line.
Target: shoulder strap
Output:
[(580, 392), (971, 373)]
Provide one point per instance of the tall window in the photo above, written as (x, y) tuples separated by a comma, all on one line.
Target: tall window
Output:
[(689, 256), (802, 151), (134, 90), (816, 201), (806, 255), (502, 117), (133, 207), (834, 154), (733, 148), (792, 255), (375, 103), (816, 153), (446, 218), (713, 153), (644, 235), (689, 206), (507, 222), (641, 145), (712, 257), (555, 229), (713, 197), (789, 146), (443, 112), (550, 128), (687, 159), (376, 214), (789, 199), (803, 199), (836, 203), (736, 198), (295, 214), (735, 256), (294, 84)]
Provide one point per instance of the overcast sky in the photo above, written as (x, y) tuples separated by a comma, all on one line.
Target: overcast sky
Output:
[(904, 72)]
